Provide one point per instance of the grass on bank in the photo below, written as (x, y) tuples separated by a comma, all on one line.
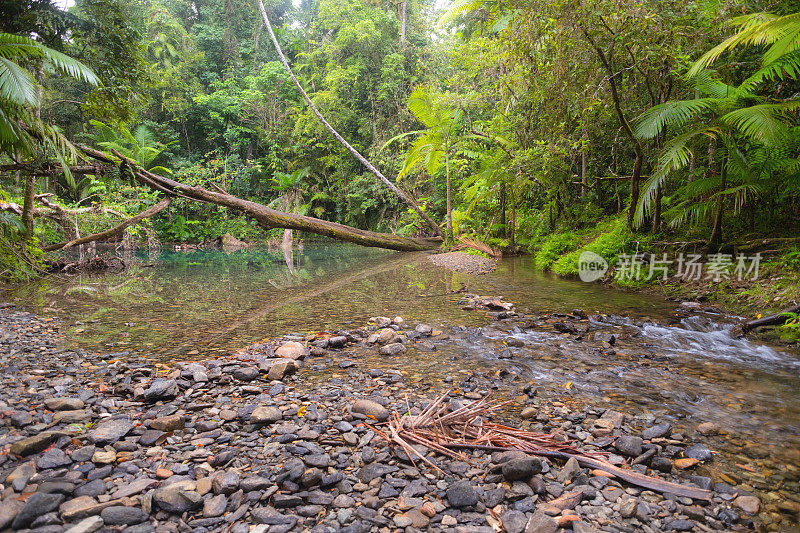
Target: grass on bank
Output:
[(777, 286)]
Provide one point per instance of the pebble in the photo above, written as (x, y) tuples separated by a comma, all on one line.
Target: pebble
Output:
[(120, 515), (241, 443), (462, 494), (265, 415), (699, 452), (629, 445), (521, 469), (371, 409)]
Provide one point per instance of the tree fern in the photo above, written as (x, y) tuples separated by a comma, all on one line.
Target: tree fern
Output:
[(677, 113), (755, 134)]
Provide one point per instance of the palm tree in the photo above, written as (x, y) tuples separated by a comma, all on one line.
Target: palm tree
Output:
[(433, 145), (291, 197), (139, 145), (755, 135), (22, 131)]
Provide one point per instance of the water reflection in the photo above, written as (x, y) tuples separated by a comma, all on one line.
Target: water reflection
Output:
[(216, 302)]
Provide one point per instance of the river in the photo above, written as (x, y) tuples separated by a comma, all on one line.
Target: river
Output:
[(663, 365)]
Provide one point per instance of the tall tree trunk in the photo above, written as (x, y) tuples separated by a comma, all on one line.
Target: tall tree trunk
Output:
[(584, 178), (613, 77), (403, 8), (512, 235), (229, 38), (635, 182), (27, 205), (657, 210), (716, 230), (503, 204), (377, 173), (449, 203)]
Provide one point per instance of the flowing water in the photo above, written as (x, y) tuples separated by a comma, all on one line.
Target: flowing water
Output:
[(663, 365)]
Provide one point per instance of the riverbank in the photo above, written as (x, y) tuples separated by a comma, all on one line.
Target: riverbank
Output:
[(242, 443), (765, 282)]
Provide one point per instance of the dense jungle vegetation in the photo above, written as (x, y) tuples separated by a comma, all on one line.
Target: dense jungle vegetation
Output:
[(538, 125)]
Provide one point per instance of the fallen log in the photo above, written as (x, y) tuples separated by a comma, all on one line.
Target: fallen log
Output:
[(266, 217), (760, 244), (772, 320), (269, 218), (116, 230)]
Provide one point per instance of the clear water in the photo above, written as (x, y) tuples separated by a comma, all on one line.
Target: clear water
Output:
[(664, 365), (214, 302)]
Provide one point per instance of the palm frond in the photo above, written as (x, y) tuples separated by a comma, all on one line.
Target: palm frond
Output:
[(457, 9), (420, 103), (787, 41), (676, 113), (69, 66), (763, 123), (687, 211), (786, 67), (758, 29), (398, 137), (12, 135), (16, 84), (675, 156), (707, 83)]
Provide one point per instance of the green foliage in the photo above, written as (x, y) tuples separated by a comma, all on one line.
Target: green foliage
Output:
[(612, 238), (553, 247), (20, 258), (20, 127), (790, 330), (752, 126), (139, 145), (110, 41), (791, 259), (509, 108)]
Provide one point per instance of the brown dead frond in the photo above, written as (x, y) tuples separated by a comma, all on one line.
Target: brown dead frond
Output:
[(468, 428), (467, 242)]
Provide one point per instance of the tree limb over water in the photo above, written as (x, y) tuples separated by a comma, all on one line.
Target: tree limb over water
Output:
[(116, 230), (266, 217), (364, 161)]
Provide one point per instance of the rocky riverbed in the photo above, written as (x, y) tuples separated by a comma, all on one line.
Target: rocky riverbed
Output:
[(263, 441)]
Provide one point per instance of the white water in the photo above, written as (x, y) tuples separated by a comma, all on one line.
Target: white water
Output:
[(699, 337)]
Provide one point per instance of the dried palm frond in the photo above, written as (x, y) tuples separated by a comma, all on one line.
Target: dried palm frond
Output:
[(466, 242), (468, 428)]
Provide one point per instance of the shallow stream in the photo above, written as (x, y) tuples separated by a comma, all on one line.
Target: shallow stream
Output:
[(664, 365)]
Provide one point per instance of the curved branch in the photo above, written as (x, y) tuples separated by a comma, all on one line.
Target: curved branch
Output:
[(378, 174), (116, 230)]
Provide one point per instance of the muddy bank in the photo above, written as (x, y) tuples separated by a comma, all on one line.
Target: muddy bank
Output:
[(272, 438)]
